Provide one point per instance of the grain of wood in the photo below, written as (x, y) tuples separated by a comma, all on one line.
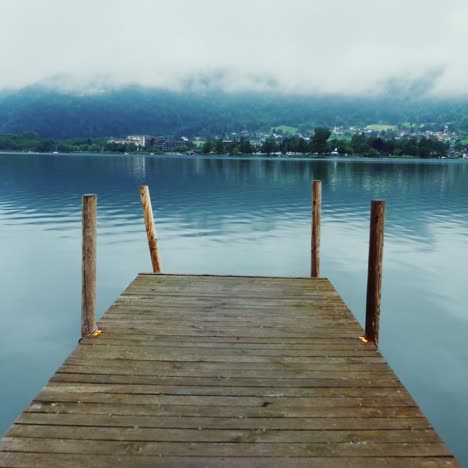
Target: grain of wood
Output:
[(88, 282), (374, 275), (150, 228), (316, 221)]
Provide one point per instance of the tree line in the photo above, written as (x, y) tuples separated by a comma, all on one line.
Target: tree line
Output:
[(321, 144), (31, 141)]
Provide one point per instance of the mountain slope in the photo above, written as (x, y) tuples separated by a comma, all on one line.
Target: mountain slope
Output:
[(154, 111)]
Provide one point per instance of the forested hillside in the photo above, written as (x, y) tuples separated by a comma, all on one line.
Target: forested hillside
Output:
[(134, 109)]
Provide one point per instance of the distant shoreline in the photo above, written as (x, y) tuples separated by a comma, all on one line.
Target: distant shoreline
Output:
[(238, 156)]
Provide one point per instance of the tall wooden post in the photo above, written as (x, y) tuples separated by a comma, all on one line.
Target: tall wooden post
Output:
[(374, 278), (88, 285), (150, 228), (316, 217)]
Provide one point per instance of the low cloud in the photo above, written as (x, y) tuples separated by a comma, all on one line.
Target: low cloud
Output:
[(300, 46)]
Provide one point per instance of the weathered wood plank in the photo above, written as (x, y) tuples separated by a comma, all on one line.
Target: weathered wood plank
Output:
[(201, 434), (148, 354), (170, 353), (168, 342), (38, 460), (245, 449), (294, 376), (262, 393), (295, 379), (336, 363), (256, 319), (157, 384), (252, 416), (130, 415), (245, 333), (162, 406), (288, 342), (48, 393)]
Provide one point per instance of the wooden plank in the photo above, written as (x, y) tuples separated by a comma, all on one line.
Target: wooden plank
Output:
[(227, 344), (142, 354), (38, 460), (116, 372), (247, 332), (197, 449), (130, 415), (238, 391), (162, 407), (138, 433), (222, 300), (313, 364), (253, 416), (319, 391), (174, 353), (271, 400), (256, 318), (225, 371), (278, 385)]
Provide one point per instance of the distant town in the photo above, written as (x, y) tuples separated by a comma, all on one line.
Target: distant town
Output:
[(379, 140), (372, 140)]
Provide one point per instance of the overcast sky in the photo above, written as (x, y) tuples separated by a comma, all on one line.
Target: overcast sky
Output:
[(333, 46)]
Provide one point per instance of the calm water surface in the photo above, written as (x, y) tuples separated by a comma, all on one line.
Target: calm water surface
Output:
[(239, 217)]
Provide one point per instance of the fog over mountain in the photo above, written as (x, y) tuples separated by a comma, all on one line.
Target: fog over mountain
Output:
[(113, 67), (357, 47)]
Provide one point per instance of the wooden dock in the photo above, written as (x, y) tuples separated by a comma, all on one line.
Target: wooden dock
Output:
[(220, 371)]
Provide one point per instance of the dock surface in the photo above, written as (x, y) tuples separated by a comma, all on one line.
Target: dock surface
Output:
[(220, 371)]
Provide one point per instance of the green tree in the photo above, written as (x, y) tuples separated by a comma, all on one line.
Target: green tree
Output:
[(208, 147), (378, 144), (45, 146), (269, 145), (219, 146), (131, 148), (318, 143), (424, 148), (64, 148), (284, 145), (302, 146), (458, 146), (245, 147), (409, 147), (343, 146), (360, 144)]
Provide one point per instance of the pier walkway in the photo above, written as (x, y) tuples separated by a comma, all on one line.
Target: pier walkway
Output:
[(205, 371)]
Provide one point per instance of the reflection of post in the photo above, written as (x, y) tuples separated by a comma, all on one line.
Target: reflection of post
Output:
[(88, 287), (374, 278), (150, 228), (316, 214)]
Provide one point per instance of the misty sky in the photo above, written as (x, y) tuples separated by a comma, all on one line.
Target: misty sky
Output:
[(297, 46)]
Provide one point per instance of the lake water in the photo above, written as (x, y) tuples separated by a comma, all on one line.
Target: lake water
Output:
[(239, 216)]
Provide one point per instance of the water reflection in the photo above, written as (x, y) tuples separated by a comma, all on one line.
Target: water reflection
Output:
[(239, 216)]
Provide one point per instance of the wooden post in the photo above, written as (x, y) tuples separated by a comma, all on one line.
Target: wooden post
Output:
[(316, 216), (374, 278), (88, 285), (150, 228)]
